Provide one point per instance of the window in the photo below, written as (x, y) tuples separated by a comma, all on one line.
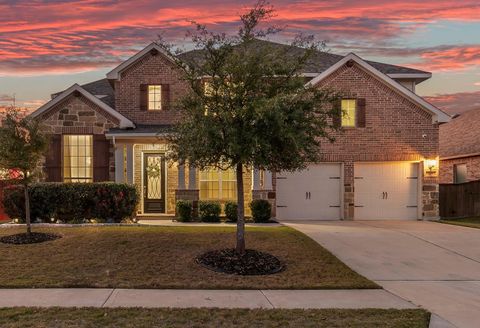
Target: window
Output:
[(216, 184), (348, 112), (460, 173), (77, 158), (154, 97)]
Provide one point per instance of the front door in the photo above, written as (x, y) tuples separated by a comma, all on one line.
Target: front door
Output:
[(154, 184)]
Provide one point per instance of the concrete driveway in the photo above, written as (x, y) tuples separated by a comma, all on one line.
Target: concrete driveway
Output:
[(433, 265)]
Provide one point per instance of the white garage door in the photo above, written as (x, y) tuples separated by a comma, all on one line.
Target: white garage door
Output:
[(311, 194), (386, 191)]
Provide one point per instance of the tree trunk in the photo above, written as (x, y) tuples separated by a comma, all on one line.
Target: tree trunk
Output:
[(27, 210), (240, 212)]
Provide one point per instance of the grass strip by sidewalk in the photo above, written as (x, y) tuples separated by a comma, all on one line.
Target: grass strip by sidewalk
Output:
[(473, 222), (229, 318), (164, 257)]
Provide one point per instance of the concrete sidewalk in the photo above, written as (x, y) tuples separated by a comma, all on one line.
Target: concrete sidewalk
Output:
[(180, 298)]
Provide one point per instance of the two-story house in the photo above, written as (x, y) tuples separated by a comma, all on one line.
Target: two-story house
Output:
[(383, 165)]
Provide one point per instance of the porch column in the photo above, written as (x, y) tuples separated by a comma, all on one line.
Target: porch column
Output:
[(267, 184), (119, 163), (130, 161), (256, 179), (181, 176), (192, 177)]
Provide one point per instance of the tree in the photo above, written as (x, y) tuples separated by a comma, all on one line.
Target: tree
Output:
[(22, 145), (248, 105)]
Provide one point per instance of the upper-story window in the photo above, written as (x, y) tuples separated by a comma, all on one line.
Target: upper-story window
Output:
[(77, 158), (349, 107), (154, 97)]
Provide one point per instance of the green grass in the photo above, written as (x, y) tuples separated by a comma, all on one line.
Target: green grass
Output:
[(164, 257), (140, 317), (466, 222)]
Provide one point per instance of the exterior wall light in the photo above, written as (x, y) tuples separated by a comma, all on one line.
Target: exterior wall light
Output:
[(430, 167)]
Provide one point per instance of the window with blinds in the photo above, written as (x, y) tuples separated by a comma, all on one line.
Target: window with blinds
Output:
[(77, 158), (216, 184)]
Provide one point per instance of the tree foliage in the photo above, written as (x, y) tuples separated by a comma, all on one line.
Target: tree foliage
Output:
[(22, 145), (249, 105)]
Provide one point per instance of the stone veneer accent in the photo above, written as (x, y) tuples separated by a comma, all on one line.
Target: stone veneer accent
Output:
[(430, 197), (78, 115)]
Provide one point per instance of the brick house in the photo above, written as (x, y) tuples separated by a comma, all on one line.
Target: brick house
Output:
[(114, 129), (460, 148)]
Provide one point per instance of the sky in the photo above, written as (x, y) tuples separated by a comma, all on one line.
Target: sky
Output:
[(47, 45)]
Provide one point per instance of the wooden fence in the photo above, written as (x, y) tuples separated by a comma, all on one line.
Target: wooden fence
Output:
[(460, 200)]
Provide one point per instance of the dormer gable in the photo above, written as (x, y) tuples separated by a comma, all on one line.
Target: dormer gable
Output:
[(152, 49)]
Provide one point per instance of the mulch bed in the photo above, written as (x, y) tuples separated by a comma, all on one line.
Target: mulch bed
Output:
[(33, 238), (251, 263)]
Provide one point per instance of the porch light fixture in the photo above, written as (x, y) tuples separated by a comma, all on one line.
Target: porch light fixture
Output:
[(431, 167)]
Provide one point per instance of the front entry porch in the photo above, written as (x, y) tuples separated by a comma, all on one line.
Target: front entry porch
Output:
[(142, 161)]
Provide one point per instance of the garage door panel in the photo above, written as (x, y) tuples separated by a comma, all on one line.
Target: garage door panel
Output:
[(311, 194), (386, 190)]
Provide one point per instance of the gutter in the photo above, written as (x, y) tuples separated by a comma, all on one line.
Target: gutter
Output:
[(459, 156)]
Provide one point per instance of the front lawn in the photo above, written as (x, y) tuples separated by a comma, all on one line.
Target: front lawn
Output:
[(136, 317), (466, 222), (163, 257)]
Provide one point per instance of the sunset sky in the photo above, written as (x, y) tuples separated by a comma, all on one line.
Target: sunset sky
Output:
[(46, 46)]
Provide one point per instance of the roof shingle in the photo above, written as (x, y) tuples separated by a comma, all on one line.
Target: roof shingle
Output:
[(461, 136)]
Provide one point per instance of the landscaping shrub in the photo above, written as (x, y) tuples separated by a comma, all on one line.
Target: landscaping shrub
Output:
[(184, 210), (209, 211), (73, 202), (261, 210), (231, 211)]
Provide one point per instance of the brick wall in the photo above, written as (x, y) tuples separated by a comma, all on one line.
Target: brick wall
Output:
[(473, 168), (396, 130), (151, 69), (78, 115)]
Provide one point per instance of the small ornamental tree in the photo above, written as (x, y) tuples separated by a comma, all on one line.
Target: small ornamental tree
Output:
[(22, 145), (248, 105)]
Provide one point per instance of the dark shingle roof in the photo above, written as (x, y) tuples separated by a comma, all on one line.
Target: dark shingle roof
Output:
[(101, 88), (317, 64), (461, 135)]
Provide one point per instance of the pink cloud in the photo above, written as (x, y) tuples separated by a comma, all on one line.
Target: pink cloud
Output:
[(40, 36), (456, 103), (448, 58)]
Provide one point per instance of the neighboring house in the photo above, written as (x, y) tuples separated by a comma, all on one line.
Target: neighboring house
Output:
[(460, 148), (114, 129)]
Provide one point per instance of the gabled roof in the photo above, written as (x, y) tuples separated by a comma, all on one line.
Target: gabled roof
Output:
[(115, 73), (124, 122), (320, 61), (437, 115), (460, 137)]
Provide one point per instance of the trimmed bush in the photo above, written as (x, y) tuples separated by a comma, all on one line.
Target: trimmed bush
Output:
[(73, 202), (209, 211), (184, 210), (231, 211), (261, 210)]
